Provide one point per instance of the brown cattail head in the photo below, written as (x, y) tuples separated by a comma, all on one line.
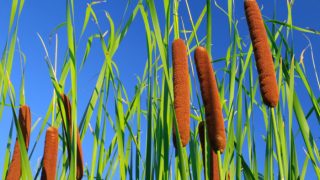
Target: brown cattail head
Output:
[(14, 171), (262, 53), (181, 89), (201, 134), (50, 154), (211, 100), (80, 164), (67, 108), (25, 123), (214, 174)]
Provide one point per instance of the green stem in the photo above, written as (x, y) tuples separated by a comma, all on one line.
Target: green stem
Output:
[(274, 125), (220, 166), (176, 18), (209, 26)]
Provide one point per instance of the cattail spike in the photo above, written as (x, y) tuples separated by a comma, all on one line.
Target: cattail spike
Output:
[(80, 164), (50, 154), (262, 53), (25, 123), (211, 100), (201, 134), (14, 171), (181, 90)]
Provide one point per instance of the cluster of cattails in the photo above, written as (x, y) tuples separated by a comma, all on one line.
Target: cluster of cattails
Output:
[(262, 53), (209, 91), (14, 171), (51, 145), (50, 150), (67, 108), (50, 154), (210, 97)]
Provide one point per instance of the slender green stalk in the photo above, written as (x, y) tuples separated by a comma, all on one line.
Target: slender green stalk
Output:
[(96, 137), (209, 28), (221, 174), (276, 136), (176, 18)]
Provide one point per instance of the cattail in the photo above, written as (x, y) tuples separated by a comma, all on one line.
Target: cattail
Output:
[(50, 154), (80, 165), (262, 53), (181, 90), (214, 174), (25, 123), (14, 171), (211, 100)]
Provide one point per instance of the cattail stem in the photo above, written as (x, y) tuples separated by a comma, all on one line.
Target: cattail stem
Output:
[(80, 164), (14, 171), (219, 165), (50, 154), (181, 91), (211, 100), (262, 53), (214, 173)]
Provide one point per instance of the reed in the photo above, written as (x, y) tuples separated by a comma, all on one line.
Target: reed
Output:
[(126, 119), (262, 53), (50, 154), (80, 164), (214, 164), (14, 171), (181, 87), (211, 100)]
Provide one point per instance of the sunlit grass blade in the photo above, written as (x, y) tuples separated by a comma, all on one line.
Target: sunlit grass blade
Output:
[(120, 125), (96, 136)]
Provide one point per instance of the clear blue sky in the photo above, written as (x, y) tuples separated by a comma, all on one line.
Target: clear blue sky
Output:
[(42, 17)]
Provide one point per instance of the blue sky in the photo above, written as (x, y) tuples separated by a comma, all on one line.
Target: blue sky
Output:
[(41, 17)]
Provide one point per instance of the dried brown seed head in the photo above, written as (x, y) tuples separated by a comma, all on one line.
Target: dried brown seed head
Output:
[(211, 100), (181, 87), (50, 155), (262, 53)]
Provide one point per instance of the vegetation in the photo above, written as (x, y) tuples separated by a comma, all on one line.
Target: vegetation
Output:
[(141, 143)]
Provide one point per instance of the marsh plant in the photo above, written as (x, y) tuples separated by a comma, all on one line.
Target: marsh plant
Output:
[(252, 113)]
